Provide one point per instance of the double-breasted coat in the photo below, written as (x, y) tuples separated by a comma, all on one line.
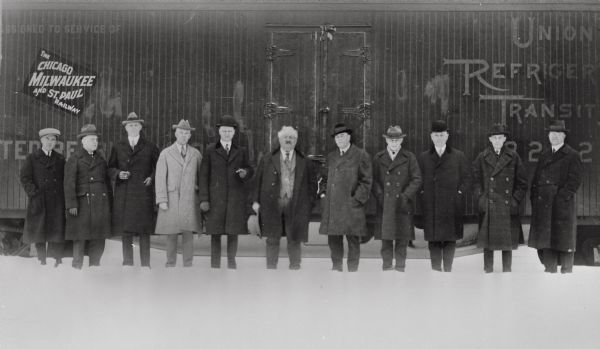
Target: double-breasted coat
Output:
[(42, 178), (500, 184), (222, 187), (266, 191), (445, 181), (395, 185), (553, 212), (176, 183), (347, 187), (133, 206), (88, 188)]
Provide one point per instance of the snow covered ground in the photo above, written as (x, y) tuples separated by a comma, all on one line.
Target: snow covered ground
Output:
[(199, 307)]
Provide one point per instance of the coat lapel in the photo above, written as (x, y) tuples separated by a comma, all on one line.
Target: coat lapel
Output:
[(175, 154), (221, 151), (505, 159), (233, 153), (300, 163), (398, 160), (138, 147)]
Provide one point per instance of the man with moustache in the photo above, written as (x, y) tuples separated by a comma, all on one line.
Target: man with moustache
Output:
[(500, 184), (223, 194), (345, 189), (557, 177), (131, 165), (88, 198), (445, 181), (285, 191), (176, 184), (396, 180), (42, 177)]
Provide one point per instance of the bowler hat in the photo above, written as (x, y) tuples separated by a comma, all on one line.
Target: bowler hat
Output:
[(439, 126), (227, 120), (49, 131), (88, 130), (394, 132), (498, 129), (132, 117), (340, 128), (184, 125), (557, 126)]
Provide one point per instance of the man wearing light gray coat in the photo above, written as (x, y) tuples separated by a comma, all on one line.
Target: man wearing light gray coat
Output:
[(177, 196)]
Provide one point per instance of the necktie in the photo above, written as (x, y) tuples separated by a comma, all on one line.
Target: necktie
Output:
[(342, 152), (553, 150), (497, 152), (132, 143), (183, 151), (287, 157), (227, 148)]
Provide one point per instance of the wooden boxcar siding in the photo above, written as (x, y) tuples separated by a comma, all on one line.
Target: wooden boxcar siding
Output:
[(171, 64)]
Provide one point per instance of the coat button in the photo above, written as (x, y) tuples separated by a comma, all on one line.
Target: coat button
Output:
[(388, 172), (491, 178), (272, 183), (547, 181), (388, 183), (506, 202), (491, 190), (91, 178), (507, 179), (506, 191), (397, 196)]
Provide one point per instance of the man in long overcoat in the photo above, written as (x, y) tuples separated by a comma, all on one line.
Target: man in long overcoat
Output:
[(500, 184), (345, 189), (131, 165), (445, 180), (176, 184), (554, 214), (284, 194), (88, 198), (396, 180), (223, 193), (42, 177)]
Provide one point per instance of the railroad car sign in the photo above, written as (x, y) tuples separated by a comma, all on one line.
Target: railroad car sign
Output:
[(59, 82)]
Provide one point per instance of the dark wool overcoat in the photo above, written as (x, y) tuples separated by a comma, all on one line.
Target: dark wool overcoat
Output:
[(395, 185), (223, 188), (500, 184), (42, 179), (87, 188), (553, 212), (347, 187), (266, 191), (445, 181), (133, 205)]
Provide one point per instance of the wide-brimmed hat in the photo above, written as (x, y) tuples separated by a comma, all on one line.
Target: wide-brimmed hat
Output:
[(184, 125), (49, 131), (132, 117), (227, 120), (394, 132), (439, 126), (88, 130), (340, 128), (498, 129), (557, 126)]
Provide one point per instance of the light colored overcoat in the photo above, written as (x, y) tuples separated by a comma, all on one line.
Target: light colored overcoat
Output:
[(176, 183)]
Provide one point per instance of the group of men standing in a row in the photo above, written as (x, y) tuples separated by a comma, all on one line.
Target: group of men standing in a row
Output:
[(222, 185)]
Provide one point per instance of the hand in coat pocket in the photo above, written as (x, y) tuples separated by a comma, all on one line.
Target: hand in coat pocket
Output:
[(514, 207)]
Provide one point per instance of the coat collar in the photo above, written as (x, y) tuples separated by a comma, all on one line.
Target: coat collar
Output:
[(173, 151), (87, 159), (275, 161), (548, 157), (233, 152), (138, 147), (385, 159), (498, 163), (40, 155)]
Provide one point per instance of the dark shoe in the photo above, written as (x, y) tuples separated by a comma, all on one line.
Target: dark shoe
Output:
[(77, 266), (548, 270), (231, 265), (169, 265), (566, 271), (447, 269), (337, 268), (487, 271), (271, 266), (146, 265), (352, 269), (507, 270), (57, 262), (411, 244), (387, 267), (294, 266), (43, 262), (129, 264), (400, 269), (187, 265)]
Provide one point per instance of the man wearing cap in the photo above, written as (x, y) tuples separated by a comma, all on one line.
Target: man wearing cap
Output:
[(176, 184), (344, 191), (396, 180), (553, 212), (500, 184), (42, 177), (285, 191), (131, 165), (223, 194), (445, 180), (88, 197)]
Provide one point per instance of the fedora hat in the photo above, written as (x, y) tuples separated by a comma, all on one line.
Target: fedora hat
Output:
[(88, 130), (340, 128), (227, 120), (498, 129), (184, 125), (394, 132), (557, 126), (49, 131), (439, 126), (132, 117)]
